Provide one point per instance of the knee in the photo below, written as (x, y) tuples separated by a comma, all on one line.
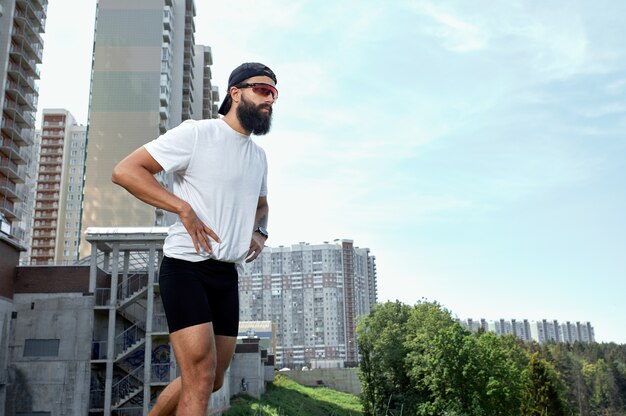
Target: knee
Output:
[(203, 375)]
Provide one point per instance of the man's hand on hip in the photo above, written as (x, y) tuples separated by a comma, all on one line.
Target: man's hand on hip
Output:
[(256, 246), (198, 231)]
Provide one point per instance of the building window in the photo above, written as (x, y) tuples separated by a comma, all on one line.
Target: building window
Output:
[(33, 414), (41, 348)]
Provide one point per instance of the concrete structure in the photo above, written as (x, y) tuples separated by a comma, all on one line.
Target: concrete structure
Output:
[(9, 254), (573, 332), (58, 199), (264, 331), (50, 342), (340, 379), (131, 359), (539, 331), (145, 81), (313, 293), (21, 45), (251, 369)]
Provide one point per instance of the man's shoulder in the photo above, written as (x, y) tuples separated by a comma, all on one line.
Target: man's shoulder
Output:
[(209, 123)]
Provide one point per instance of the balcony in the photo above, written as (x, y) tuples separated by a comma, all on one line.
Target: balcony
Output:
[(26, 49), (19, 94), (27, 35), (50, 169), (19, 113), (15, 132), (11, 170), (35, 19), (163, 112), (46, 225), (44, 244), (52, 143), (11, 190), (50, 161), (45, 215), (22, 76), (13, 151), (10, 210), (167, 21)]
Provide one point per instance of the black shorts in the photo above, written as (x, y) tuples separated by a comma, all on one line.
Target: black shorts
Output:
[(198, 292)]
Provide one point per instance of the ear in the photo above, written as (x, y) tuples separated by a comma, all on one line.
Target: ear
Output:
[(235, 94)]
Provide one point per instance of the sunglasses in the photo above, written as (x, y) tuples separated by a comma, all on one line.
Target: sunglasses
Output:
[(260, 88)]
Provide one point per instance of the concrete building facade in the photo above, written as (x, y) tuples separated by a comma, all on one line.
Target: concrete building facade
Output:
[(21, 24), (145, 80), (59, 185), (30, 188), (313, 293)]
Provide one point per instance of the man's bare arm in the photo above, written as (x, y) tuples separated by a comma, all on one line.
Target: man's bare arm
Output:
[(262, 212), (258, 241), (136, 174)]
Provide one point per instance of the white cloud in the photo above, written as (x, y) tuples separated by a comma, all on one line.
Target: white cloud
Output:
[(458, 35)]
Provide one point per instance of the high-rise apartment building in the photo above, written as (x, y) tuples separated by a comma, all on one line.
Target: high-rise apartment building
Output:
[(21, 45), (313, 293), (539, 331), (56, 219), (30, 189), (147, 77)]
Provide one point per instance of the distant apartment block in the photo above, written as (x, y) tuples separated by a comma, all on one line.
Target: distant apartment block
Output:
[(313, 293), (59, 188), (21, 46), (148, 76), (539, 331)]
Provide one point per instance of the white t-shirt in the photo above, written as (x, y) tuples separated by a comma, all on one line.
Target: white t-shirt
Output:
[(221, 174)]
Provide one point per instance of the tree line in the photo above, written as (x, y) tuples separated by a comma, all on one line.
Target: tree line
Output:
[(418, 360)]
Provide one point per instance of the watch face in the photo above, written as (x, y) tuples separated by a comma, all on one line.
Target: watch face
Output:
[(262, 231)]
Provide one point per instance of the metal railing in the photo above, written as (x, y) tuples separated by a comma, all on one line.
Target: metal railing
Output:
[(128, 411), (128, 338), (131, 285), (127, 385), (136, 313)]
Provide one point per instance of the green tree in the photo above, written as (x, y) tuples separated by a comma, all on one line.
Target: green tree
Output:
[(460, 372), (386, 388), (543, 398)]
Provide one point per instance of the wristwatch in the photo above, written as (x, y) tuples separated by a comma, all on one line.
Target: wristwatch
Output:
[(262, 231)]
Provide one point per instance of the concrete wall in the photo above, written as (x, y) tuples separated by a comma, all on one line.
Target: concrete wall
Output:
[(341, 379), (9, 257), (6, 308), (57, 384)]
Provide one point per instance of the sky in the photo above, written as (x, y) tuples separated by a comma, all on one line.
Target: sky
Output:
[(477, 148)]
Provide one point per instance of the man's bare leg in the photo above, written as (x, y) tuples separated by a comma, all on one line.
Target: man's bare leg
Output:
[(167, 401), (225, 347), (194, 348)]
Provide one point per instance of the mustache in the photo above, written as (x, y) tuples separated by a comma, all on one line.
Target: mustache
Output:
[(269, 107)]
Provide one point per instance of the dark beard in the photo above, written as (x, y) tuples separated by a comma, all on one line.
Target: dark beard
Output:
[(252, 119)]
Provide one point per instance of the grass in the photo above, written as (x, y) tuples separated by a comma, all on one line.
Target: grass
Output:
[(285, 397)]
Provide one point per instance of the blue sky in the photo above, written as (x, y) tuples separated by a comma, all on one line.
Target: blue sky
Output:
[(477, 148)]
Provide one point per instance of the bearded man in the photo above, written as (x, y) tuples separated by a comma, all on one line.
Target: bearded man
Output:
[(220, 196)]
